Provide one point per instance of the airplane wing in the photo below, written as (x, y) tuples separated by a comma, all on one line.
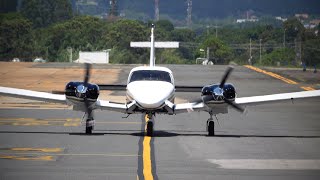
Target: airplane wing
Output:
[(33, 95), (113, 87), (118, 107), (255, 100), (183, 107), (188, 88), (61, 99), (189, 107), (247, 101)]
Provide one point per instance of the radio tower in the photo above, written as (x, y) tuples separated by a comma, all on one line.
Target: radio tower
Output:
[(156, 10), (189, 12), (113, 9)]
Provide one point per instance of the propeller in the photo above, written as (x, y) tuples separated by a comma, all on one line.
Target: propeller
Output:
[(85, 84), (219, 93)]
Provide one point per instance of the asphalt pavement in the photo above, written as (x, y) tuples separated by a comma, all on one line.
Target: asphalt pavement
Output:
[(274, 141)]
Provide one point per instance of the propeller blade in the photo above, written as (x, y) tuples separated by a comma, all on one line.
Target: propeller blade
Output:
[(87, 75), (85, 84), (235, 106), (225, 76)]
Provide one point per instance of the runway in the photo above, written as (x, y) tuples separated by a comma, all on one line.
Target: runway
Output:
[(274, 141)]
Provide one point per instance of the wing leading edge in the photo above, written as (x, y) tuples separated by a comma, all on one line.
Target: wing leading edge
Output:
[(33, 95), (255, 100)]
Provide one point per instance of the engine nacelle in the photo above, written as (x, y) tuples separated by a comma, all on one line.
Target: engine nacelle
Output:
[(228, 92), (78, 90)]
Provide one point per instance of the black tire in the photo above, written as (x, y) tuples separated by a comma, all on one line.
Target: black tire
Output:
[(89, 130), (211, 128), (149, 128)]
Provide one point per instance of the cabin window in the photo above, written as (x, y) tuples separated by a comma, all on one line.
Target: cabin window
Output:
[(150, 75)]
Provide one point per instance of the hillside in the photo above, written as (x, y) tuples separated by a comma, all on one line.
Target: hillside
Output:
[(216, 8)]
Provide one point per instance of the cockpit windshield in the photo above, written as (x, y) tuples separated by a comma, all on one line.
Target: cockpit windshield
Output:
[(150, 75)]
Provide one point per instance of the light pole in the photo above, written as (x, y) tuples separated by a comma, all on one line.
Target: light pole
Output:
[(250, 56), (260, 53), (284, 37), (70, 51)]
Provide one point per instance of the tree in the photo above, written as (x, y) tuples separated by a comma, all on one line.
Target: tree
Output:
[(219, 51), (311, 54), (45, 12), (122, 32), (284, 56), (165, 25), (185, 36), (81, 33), (294, 29), (15, 37)]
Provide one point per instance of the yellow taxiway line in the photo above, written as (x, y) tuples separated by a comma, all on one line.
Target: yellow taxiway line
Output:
[(147, 164), (286, 80), (307, 88), (67, 122), (47, 154), (289, 81)]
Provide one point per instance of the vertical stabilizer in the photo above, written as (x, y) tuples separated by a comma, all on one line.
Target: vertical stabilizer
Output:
[(152, 49), (153, 45)]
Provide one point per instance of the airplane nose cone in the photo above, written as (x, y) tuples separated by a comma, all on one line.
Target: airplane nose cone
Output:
[(150, 95)]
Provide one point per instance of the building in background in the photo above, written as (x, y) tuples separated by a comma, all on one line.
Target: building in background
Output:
[(96, 57)]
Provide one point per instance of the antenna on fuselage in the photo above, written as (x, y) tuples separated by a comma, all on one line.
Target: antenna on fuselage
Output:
[(153, 45)]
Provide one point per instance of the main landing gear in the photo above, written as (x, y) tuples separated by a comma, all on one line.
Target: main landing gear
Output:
[(210, 125)]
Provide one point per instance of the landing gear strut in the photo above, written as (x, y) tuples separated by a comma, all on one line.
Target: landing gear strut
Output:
[(210, 125)]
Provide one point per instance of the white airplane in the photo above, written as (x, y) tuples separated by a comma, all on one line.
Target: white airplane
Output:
[(150, 91)]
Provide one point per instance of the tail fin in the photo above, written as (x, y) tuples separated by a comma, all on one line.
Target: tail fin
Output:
[(152, 48), (153, 45)]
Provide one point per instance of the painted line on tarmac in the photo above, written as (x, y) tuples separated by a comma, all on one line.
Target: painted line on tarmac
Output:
[(286, 80), (32, 106), (147, 159), (40, 122), (146, 162), (289, 81), (48, 154), (29, 154), (64, 154), (307, 88), (270, 164), (44, 150), (67, 122), (27, 158)]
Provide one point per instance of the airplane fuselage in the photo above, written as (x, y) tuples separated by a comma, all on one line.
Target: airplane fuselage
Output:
[(150, 87)]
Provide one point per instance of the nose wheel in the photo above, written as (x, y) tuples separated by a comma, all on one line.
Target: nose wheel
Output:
[(149, 128), (89, 125), (210, 125)]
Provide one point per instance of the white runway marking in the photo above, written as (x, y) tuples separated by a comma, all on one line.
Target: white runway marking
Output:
[(276, 164)]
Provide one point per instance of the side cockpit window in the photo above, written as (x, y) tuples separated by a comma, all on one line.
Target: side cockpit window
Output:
[(150, 75)]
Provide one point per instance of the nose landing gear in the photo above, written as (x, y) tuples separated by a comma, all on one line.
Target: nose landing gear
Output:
[(149, 129), (149, 124), (210, 125), (89, 125)]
